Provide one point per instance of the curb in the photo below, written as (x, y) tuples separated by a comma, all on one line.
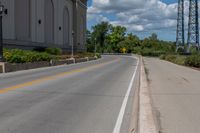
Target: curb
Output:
[(147, 122)]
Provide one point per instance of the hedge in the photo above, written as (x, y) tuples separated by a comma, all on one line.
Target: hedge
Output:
[(53, 51), (24, 56)]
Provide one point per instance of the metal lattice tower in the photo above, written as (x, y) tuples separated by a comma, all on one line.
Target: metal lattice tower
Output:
[(193, 25), (180, 35)]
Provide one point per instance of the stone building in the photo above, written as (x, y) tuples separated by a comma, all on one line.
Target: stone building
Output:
[(45, 23)]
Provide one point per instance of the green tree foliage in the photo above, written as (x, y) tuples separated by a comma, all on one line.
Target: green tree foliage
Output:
[(110, 38), (89, 44), (99, 34), (131, 43), (117, 34), (153, 37), (193, 60)]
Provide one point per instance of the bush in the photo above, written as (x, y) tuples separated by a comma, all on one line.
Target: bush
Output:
[(54, 51), (25, 56), (190, 60), (98, 55), (163, 56), (150, 52), (193, 60), (178, 59), (171, 58)]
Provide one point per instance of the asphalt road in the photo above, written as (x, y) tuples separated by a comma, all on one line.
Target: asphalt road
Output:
[(92, 97), (176, 94)]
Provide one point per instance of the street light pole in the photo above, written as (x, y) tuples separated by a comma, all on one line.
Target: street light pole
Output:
[(95, 47), (72, 50), (1, 32)]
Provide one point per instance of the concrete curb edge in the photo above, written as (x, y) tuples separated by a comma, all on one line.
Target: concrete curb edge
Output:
[(147, 122)]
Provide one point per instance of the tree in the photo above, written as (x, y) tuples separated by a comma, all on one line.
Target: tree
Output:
[(154, 37), (110, 38), (130, 43), (89, 44), (134, 39), (99, 33), (117, 34), (146, 43)]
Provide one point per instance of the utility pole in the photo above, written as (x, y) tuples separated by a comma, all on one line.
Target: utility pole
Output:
[(193, 25), (180, 35), (95, 47), (72, 48)]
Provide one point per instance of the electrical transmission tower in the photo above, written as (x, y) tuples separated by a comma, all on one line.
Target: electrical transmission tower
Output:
[(180, 36), (193, 25)]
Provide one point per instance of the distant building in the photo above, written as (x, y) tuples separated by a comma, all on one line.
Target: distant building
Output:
[(45, 23)]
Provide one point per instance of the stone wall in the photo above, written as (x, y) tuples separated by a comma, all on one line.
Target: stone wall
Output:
[(61, 62), (12, 67), (81, 60), (92, 58), (25, 66)]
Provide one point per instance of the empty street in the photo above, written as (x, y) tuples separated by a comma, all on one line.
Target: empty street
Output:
[(92, 97)]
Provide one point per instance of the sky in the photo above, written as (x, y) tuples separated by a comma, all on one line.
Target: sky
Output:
[(140, 17)]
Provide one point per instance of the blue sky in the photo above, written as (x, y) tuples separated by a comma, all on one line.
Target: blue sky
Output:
[(141, 17)]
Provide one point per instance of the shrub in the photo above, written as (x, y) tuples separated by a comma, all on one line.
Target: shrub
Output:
[(54, 51), (24, 56), (137, 50), (190, 60), (98, 55), (150, 52), (193, 60), (171, 58), (180, 60), (163, 56)]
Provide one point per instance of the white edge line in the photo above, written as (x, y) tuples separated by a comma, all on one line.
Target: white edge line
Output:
[(125, 101)]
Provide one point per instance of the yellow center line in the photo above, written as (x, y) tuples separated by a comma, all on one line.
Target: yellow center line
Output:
[(47, 78)]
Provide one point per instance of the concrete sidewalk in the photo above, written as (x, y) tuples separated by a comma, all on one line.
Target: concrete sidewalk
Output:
[(175, 91)]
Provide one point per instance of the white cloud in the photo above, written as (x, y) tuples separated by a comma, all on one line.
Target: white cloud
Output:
[(136, 15), (101, 18)]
